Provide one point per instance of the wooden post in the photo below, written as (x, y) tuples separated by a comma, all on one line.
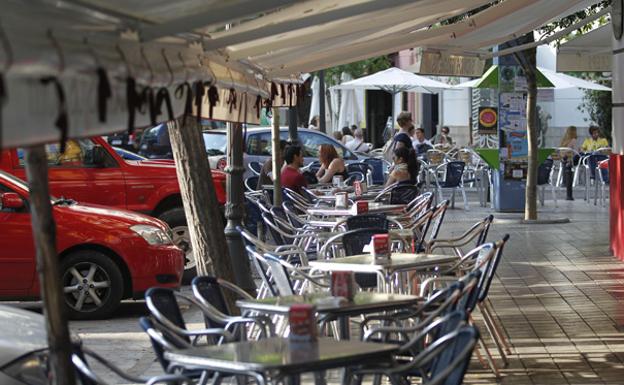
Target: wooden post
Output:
[(44, 234), (277, 159), (199, 199)]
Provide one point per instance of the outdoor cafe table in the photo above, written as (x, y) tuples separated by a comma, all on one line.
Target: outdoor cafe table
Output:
[(329, 307), (366, 263), (373, 207), (274, 358)]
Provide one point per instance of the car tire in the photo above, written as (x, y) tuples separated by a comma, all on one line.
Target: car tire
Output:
[(176, 220), (102, 279)]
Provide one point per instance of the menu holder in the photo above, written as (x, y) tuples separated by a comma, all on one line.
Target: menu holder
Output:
[(381, 247), (361, 207), (343, 284), (341, 200), (357, 187), (302, 322)]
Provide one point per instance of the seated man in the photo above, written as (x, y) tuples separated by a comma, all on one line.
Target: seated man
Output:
[(291, 177), (357, 143)]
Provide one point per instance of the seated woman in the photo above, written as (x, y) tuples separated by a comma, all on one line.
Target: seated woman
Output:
[(331, 164), (405, 169)]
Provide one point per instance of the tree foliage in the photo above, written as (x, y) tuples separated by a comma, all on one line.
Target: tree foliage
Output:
[(597, 104), (357, 69)]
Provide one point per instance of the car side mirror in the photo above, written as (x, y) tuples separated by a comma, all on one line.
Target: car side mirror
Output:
[(98, 155), (11, 200)]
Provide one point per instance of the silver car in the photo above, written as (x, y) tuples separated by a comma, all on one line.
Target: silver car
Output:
[(257, 146), (23, 347)]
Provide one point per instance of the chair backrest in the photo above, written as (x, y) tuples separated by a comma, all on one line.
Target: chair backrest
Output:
[(450, 356), (435, 157), (280, 275), (277, 237), (437, 218), (255, 167), (487, 223), (543, 172), (161, 340), (293, 212), (162, 302), (364, 221), (592, 163), (263, 269), (359, 166), (377, 168), (353, 177), (403, 194), (251, 183), (454, 173), (354, 241), (421, 202), (470, 293), (491, 269), (207, 290)]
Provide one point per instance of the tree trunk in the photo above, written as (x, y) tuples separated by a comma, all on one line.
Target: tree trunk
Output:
[(44, 234), (201, 207), (528, 62)]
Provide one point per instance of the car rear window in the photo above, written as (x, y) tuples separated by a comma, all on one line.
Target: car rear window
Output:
[(216, 143)]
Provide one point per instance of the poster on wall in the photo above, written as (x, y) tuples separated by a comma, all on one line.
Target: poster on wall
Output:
[(512, 117), (488, 121)]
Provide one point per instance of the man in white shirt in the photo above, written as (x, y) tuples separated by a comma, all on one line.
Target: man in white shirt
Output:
[(420, 143), (357, 143)]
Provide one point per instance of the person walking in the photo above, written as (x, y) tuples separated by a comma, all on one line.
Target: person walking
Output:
[(404, 120)]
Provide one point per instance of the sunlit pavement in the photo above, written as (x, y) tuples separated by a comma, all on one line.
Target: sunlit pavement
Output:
[(559, 295)]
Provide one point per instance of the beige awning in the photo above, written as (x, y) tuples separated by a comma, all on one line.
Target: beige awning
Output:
[(239, 45), (591, 51)]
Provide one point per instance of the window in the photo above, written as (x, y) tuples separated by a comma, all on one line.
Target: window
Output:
[(312, 144), (216, 143), (260, 143), (78, 153)]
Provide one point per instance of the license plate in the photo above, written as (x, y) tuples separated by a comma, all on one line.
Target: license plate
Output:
[(115, 142)]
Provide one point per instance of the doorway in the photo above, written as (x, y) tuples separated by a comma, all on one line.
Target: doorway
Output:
[(378, 109)]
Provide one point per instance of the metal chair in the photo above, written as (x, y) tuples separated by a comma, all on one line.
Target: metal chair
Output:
[(364, 221), (255, 168), (544, 178), (590, 163), (377, 167), (477, 233), (603, 178), (87, 376), (453, 180), (251, 183), (209, 292), (163, 305)]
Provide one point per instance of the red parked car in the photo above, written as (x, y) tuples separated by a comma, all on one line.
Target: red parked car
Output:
[(105, 254), (90, 171)]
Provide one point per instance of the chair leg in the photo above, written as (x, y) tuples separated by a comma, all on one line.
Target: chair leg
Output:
[(463, 191), (495, 337), (490, 314), (489, 358), (453, 198)]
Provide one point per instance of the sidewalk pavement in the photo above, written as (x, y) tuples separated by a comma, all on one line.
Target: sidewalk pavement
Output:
[(558, 293)]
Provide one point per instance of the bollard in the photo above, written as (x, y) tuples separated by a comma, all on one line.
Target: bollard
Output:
[(568, 178)]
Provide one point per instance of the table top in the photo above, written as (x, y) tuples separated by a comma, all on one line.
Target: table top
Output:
[(373, 207), (281, 354), (365, 263), (363, 302)]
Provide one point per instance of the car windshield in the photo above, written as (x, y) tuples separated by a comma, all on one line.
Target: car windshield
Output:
[(215, 142), (15, 180)]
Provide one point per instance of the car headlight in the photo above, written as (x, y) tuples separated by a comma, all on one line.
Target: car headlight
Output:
[(152, 234), (30, 369)]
